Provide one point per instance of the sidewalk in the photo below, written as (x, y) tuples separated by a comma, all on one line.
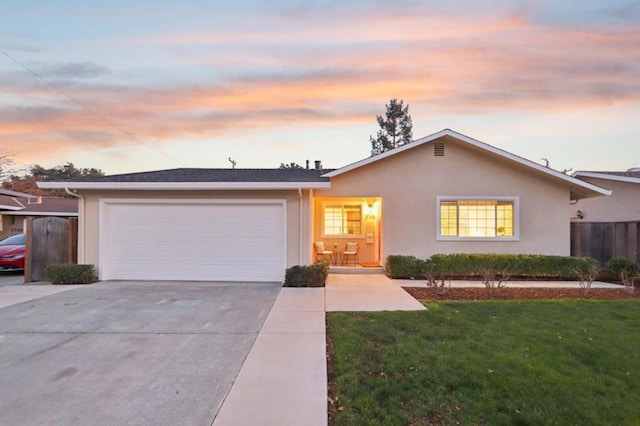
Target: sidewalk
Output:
[(14, 294), (283, 381)]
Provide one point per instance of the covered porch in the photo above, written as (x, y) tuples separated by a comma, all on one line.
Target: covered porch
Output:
[(342, 224)]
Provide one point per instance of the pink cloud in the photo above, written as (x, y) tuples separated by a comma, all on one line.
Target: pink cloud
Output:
[(314, 75)]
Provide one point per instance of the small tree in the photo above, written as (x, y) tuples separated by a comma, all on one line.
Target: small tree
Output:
[(395, 130), (587, 271)]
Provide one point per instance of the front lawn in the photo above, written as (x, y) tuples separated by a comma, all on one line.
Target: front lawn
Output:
[(564, 362)]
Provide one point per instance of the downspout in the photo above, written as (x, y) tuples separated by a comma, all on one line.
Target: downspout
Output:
[(300, 228), (80, 224)]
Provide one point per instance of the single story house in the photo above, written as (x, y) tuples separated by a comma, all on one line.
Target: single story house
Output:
[(442, 193), (17, 207), (622, 206)]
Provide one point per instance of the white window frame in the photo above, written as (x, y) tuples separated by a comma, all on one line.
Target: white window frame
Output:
[(343, 204), (516, 217)]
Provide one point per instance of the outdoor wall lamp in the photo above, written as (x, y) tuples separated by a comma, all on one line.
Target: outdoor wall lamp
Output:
[(580, 214), (370, 211)]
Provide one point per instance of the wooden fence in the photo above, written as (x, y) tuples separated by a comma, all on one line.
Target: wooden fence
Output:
[(49, 240), (606, 240)]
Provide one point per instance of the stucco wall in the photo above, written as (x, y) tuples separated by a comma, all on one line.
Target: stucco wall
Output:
[(11, 225), (410, 182), (622, 205), (89, 222)]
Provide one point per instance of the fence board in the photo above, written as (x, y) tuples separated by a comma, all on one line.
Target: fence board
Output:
[(47, 243), (605, 240)]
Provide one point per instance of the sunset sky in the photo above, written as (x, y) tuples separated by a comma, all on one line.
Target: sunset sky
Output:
[(129, 86)]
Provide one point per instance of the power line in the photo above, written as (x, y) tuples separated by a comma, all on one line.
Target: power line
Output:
[(90, 110)]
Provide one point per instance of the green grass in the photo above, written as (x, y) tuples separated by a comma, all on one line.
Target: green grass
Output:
[(563, 362)]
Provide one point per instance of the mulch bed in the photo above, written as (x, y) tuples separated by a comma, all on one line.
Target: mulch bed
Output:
[(519, 294)]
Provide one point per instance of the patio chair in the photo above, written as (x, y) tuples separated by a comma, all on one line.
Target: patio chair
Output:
[(321, 251), (350, 253)]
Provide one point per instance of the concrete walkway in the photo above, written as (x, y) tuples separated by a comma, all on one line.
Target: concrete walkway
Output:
[(367, 293), (284, 379), (14, 294)]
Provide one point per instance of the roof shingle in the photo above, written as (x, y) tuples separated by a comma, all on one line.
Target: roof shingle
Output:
[(214, 175)]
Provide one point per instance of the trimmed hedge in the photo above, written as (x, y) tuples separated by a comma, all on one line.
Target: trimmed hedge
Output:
[(400, 266), (526, 266), (70, 273), (308, 275)]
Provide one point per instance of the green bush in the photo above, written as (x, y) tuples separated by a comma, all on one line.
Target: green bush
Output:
[(401, 266), (308, 275), (491, 267), (70, 273), (623, 269), (511, 265)]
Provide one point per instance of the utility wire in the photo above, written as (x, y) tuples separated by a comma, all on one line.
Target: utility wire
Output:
[(90, 110)]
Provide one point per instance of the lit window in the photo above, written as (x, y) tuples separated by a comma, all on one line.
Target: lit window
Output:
[(342, 219), (477, 218)]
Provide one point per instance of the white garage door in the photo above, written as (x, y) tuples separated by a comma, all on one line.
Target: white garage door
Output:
[(221, 240)]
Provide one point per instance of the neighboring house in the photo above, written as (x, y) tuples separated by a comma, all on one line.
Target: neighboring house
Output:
[(622, 206), (440, 194), (17, 207)]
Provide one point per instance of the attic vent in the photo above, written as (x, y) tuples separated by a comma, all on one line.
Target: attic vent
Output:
[(438, 149)]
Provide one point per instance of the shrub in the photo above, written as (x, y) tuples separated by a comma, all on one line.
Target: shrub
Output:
[(308, 275), (70, 273), (435, 278), (625, 270), (586, 270), (501, 267), (401, 266)]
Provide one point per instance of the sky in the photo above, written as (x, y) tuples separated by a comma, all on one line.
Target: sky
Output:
[(128, 86)]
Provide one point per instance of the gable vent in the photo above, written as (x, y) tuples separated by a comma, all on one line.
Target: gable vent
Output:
[(438, 149)]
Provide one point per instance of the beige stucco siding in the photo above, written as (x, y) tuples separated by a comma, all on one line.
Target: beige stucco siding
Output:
[(89, 222), (621, 206), (11, 225), (410, 182)]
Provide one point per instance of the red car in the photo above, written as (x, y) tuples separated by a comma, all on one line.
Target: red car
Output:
[(12, 251)]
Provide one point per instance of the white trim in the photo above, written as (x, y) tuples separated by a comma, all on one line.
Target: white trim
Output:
[(27, 213), (343, 203), (16, 194), (474, 142), (160, 186), (103, 255), (516, 217), (606, 176)]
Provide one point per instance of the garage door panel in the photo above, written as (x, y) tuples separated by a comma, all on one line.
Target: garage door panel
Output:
[(194, 241)]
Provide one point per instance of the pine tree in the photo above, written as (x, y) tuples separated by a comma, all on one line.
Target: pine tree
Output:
[(396, 130)]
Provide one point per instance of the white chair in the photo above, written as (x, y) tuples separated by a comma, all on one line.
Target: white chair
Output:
[(321, 251), (350, 253)]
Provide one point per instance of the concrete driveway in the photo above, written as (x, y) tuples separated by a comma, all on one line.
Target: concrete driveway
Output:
[(144, 353), (11, 278)]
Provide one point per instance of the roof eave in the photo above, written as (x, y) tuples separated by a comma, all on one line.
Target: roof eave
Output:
[(605, 176), (27, 213), (591, 190), (168, 186)]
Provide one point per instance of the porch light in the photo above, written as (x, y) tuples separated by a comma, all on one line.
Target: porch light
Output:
[(370, 211)]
